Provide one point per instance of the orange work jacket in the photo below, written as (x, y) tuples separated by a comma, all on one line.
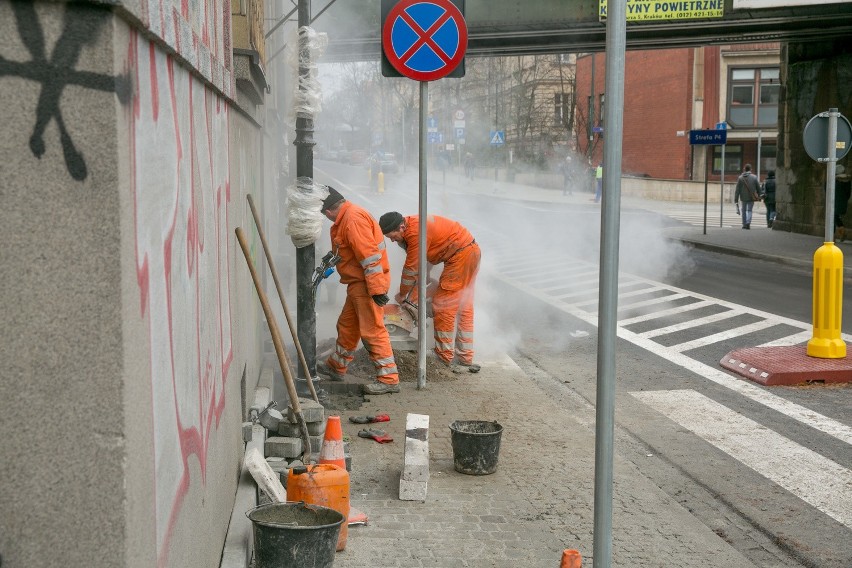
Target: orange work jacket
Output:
[(444, 238), (357, 238)]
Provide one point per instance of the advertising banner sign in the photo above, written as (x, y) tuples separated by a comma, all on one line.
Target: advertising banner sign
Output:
[(648, 10)]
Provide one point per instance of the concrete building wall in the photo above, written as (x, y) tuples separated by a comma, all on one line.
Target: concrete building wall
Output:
[(132, 329), (63, 446)]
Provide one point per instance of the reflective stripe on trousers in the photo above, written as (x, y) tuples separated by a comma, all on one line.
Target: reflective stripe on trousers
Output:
[(362, 320), (453, 307)]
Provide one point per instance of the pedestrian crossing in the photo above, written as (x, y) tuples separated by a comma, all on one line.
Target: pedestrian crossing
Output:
[(678, 325), (693, 214)]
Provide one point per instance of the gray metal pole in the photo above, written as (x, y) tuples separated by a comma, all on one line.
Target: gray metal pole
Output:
[(616, 41), (722, 188), (306, 316), (421, 261), (830, 172), (759, 142), (707, 157)]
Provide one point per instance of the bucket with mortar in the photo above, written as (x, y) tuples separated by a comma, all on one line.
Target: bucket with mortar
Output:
[(295, 534), (476, 446)]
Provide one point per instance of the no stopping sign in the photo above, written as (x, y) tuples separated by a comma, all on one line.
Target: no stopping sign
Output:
[(424, 39)]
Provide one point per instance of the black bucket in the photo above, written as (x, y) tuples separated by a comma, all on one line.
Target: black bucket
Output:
[(476, 445), (295, 534)]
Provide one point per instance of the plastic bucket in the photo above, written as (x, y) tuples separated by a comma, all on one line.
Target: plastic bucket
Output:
[(294, 534), (476, 446)]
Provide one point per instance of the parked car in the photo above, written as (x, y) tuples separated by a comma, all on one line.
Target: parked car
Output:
[(383, 162), (357, 157), (388, 163)]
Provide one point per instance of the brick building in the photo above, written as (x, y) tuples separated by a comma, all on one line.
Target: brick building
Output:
[(669, 92)]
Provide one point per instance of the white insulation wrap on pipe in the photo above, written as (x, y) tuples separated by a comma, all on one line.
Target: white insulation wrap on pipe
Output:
[(307, 99), (304, 215)]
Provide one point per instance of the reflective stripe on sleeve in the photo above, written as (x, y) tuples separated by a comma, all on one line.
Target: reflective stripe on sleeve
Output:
[(371, 259)]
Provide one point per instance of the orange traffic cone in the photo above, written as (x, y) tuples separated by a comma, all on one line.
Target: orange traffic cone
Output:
[(332, 445), (571, 559)]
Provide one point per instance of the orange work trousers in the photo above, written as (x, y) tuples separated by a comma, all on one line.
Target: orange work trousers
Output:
[(362, 319), (452, 306)]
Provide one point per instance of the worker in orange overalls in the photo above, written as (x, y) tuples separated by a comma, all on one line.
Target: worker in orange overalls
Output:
[(449, 242), (365, 270)]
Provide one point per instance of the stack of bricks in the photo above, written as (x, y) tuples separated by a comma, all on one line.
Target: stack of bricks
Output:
[(284, 448)]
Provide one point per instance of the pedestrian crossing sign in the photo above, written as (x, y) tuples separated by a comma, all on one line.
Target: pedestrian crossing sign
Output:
[(497, 137)]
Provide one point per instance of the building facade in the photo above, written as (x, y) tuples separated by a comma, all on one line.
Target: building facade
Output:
[(133, 132), (764, 93)]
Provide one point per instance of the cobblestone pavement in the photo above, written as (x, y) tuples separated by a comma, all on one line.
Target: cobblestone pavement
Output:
[(539, 502)]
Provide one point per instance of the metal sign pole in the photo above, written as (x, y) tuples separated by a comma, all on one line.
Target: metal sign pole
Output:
[(616, 41), (830, 171), (707, 158), (421, 260), (722, 189)]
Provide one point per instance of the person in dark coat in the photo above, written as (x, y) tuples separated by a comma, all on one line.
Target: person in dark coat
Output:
[(747, 191), (842, 191), (768, 195)]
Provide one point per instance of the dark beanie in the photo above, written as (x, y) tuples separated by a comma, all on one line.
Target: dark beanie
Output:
[(390, 222), (333, 198)]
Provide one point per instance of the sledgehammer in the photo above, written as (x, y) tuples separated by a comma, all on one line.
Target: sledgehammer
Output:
[(279, 350)]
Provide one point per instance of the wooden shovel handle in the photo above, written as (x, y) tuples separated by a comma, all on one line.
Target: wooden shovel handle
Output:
[(279, 348)]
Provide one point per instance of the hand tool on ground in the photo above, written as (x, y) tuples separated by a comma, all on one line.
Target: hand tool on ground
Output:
[(323, 271), (374, 433), (369, 419), (287, 315), (279, 349)]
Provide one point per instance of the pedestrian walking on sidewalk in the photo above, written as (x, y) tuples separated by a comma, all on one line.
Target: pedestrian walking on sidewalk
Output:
[(842, 191), (469, 165), (449, 242), (567, 175), (598, 182), (747, 192), (365, 270), (768, 195)]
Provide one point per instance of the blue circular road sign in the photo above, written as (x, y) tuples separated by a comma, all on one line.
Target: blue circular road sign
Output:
[(425, 40)]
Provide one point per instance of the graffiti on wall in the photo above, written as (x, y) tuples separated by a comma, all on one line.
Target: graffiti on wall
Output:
[(180, 184), (55, 73)]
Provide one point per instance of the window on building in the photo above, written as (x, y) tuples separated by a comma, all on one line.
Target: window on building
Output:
[(601, 116), (562, 107), (753, 97), (733, 160)]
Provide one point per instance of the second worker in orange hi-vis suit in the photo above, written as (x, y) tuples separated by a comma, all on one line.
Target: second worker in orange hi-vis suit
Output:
[(449, 242), (365, 270)]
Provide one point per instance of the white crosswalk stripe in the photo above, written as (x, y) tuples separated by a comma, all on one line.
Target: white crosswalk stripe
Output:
[(813, 478)]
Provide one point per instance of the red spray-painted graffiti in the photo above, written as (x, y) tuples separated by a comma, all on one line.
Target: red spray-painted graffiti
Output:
[(180, 169)]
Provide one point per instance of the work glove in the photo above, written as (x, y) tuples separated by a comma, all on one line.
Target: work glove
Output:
[(381, 299), (375, 434), (369, 419)]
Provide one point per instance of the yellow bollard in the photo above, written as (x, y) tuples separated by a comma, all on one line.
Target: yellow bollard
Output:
[(827, 302), (380, 178)]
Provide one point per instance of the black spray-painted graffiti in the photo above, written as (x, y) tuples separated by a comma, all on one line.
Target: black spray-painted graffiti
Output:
[(79, 28)]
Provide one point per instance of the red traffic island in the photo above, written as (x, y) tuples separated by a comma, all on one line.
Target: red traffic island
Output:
[(791, 365)]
